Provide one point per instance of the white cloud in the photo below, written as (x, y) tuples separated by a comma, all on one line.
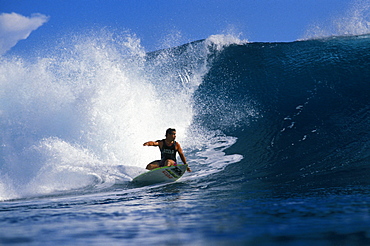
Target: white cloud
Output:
[(15, 27)]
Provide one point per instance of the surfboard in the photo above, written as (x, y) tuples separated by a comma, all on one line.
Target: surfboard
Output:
[(161, 175)]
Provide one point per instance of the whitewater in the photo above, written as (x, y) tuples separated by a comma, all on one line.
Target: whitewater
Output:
[(277, 136), (76, 118)]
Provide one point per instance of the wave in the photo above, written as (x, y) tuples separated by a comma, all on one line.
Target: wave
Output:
[(74, 115), (308, 109)]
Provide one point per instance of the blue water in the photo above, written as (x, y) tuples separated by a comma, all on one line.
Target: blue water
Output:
[(277, 136)]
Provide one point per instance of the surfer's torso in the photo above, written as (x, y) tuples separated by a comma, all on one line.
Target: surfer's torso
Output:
[(168, 151)]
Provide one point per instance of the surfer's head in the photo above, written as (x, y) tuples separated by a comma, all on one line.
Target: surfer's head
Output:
[(171, 132)]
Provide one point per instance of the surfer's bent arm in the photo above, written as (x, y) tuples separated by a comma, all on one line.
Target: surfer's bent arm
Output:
[(182, 156), (151, 143)]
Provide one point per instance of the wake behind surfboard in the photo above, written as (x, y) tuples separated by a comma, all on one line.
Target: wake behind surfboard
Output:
[(161, 175)]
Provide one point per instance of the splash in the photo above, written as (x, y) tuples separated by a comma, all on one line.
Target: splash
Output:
[(218, 42), (355, 22), (81, 109)]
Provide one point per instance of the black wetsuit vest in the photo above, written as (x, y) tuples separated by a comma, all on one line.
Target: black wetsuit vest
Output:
[(168, 152)]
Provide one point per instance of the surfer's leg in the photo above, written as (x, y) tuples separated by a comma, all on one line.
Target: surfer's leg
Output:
[(152, 165)]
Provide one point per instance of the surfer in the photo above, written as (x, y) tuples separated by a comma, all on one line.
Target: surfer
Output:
[(168, 147)]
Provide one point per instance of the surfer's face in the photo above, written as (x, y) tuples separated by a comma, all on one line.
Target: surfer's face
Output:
[(171, 136)]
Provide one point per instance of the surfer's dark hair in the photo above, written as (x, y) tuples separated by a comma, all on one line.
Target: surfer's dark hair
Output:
[(170, 130)]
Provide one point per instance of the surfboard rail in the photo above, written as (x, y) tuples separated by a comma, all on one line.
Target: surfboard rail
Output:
[(161, 175)]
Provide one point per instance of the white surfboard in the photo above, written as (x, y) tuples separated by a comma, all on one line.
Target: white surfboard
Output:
[(161, 175)]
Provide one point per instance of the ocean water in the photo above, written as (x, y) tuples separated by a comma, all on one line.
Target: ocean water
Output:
[(277, 136)]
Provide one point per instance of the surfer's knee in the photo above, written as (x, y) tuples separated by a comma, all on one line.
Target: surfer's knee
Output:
[(150, 166), (169, 162)]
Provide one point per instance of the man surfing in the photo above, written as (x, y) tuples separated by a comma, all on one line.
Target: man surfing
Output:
[(168, 147)]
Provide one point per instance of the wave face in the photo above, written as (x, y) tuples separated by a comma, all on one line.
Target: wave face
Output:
[(74, 117), (311, 109)]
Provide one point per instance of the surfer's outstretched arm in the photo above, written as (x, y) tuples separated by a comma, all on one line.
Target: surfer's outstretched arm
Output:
[(151, 143)]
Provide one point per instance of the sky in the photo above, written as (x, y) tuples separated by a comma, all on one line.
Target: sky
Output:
[(24, 24)]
